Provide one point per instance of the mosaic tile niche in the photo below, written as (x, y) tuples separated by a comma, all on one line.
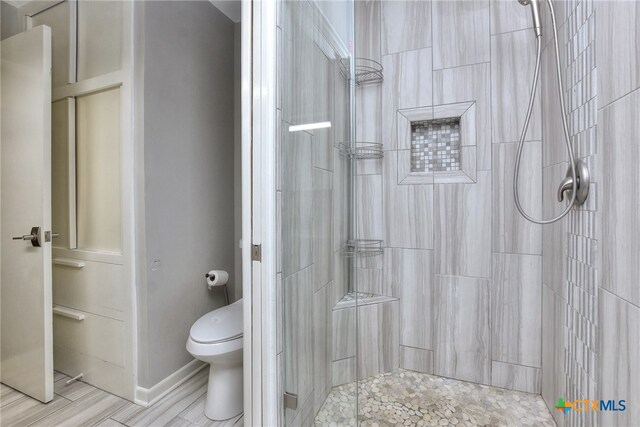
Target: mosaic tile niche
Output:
[(435, 145)]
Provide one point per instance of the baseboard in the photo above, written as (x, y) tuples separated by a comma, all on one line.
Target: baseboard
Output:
[(148, 396)]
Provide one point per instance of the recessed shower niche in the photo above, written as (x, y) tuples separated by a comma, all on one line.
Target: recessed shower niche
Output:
[(437, 144)]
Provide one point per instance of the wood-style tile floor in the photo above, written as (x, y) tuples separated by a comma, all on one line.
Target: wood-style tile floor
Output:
[(79, 404)]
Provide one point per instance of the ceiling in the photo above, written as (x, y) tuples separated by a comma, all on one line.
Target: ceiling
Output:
[(231, 8)]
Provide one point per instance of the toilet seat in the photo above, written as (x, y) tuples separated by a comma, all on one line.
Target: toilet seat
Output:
[(202, 350), (218, 326)]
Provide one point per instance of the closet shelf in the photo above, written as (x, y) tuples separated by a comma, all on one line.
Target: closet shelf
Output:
[(362, 150), (363, 248)]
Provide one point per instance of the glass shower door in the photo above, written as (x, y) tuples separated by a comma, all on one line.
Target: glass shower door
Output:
[(317, 349)]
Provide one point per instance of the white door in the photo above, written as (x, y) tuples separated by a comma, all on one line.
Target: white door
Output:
[(26, 347)]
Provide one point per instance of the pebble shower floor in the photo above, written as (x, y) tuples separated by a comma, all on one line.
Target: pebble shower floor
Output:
[(410, 398)]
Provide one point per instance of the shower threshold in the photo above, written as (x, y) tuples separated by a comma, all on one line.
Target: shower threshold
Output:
[(403, 397)]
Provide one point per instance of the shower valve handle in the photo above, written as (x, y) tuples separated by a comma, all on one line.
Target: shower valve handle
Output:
[(582, 184), (565, 186)]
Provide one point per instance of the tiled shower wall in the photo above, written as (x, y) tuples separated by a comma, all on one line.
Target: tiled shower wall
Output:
[(465, 266), (591, 303), (618, 58), (570, 247)]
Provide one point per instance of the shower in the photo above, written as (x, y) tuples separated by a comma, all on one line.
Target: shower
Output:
[(577, 179)]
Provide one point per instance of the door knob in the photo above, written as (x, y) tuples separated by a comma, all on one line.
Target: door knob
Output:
[(34, 237)]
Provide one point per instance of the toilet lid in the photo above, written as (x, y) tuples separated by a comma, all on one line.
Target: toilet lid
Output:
[(223, 324)]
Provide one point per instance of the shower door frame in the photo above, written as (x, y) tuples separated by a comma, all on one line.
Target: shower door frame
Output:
[(259, 88)]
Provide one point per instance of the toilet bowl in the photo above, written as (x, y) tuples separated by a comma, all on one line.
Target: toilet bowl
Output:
[(216, 338)]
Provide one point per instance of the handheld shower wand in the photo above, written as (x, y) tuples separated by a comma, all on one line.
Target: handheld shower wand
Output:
[(577, 180), (535, 12)]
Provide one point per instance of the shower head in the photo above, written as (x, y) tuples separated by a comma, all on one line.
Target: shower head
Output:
[(535, 12)]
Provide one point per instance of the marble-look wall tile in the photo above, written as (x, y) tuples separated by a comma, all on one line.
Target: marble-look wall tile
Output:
[(297, 201), (461, 336), (343, 333), (460, 33), (513, 233), (509, 16), (618, 350), (341, 125), (298, 79), (406, 25), (407, 84), (516, 298), (368, 113), (322, 227), (416, 359), (617, 49), (340, 282), (344, 372), (553, 351), (408, 210), (620, 130), (553, 148), (367, 29), (369, 207), (512, 68), (554, 237), (515, 377), (323, 106), (369, 281), (340, 200), (464, 84), (409, 274), (462, 228), (322, 375), (298, 343), (378, 344)]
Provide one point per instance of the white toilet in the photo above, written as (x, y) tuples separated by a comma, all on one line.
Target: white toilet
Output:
[(216, 338)]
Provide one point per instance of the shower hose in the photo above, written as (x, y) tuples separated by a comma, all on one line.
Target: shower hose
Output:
[(564, 125)]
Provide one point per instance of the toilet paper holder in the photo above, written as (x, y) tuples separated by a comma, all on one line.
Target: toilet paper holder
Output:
[(210, 285)]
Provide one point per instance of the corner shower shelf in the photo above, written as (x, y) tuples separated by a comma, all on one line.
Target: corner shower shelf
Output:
[(363, 248), (362, 150), (367, 71), (353, 299)]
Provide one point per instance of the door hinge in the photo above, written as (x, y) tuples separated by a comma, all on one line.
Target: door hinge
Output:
[(256, 252), (290, 401)]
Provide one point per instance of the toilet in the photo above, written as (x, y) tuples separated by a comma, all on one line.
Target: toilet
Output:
[(216, 338)]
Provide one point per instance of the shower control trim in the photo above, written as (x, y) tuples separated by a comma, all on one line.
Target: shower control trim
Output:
[(582, 176)]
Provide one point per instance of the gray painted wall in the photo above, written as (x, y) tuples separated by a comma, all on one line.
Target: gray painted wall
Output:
[(8, 20), (189, 175)]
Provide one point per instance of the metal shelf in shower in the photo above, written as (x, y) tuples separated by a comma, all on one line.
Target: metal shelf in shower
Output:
[(363, 248), (367, 71), (362, 150)]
